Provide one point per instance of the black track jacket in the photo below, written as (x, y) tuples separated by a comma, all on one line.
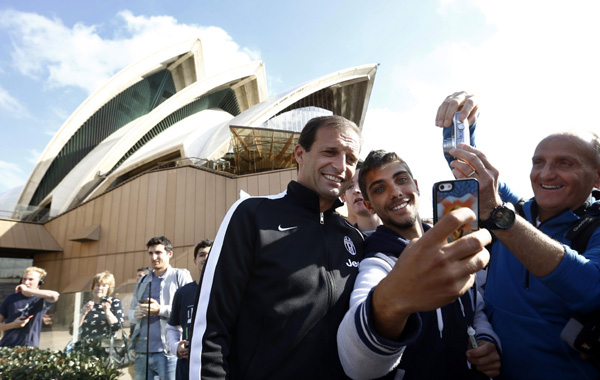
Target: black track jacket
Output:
[(274, 290)]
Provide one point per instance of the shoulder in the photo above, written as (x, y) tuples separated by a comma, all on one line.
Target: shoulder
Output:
[(190, 286)]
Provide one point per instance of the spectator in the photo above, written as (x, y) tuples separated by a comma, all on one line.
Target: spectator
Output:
[(536, 280), (180, 322), (150, 311), (21, 313), (102, 316), (441, 351), (141, 272), (358, 215)]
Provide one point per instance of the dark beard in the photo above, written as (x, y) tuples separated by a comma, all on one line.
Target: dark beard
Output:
[(407, 224)]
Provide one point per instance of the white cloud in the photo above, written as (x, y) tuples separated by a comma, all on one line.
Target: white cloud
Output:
[(78, 55), (11, 104)]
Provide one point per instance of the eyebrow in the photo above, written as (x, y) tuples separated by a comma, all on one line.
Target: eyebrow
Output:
[(397, 174)]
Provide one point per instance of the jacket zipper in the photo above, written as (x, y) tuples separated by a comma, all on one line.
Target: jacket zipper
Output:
[(328, 275)]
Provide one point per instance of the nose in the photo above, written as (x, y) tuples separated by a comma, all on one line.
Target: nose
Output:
[(397, 193), (339, 163), (547, 171)]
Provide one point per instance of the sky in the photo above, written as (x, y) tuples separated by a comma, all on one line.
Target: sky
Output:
[(532, 65)]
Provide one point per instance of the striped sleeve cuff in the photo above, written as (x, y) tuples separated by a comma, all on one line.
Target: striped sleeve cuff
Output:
[(368, 335)]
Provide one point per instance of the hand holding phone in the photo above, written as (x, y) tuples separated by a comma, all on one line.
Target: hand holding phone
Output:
[(452, 194)]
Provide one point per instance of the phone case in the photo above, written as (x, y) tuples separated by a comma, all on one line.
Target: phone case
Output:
[(453, 194)]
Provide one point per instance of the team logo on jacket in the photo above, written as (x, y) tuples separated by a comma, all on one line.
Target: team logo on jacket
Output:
[(349, 244)]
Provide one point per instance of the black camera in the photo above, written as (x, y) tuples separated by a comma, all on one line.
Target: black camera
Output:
[(582, 332), (459, 134), (103, 299)]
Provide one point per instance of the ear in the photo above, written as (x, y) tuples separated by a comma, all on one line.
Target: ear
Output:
[(343, 197), (417, 186), (299, 154), (369, 207)]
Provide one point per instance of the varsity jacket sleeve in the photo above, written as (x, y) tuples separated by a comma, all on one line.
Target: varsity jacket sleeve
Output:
[(173, 335), (481, 324), (364, 354), (226, 273)]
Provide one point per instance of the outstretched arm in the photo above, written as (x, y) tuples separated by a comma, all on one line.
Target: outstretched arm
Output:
[(430, 273)]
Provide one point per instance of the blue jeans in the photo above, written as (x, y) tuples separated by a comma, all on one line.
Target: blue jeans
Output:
[(159, 364)]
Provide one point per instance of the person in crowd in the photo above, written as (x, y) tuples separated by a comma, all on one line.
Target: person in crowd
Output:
[(441, 351), (358, 215), (278, 279), (536, 279), (141, 272), (150, 310), (21, 313), (102, 316), (180, 321)]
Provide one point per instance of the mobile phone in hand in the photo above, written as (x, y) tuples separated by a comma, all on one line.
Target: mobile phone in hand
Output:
[(453, 194)]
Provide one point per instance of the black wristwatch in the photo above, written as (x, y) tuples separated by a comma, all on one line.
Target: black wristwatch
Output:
[(502, 218)]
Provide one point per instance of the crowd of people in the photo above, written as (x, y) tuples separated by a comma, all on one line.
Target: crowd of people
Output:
[(291, 289)]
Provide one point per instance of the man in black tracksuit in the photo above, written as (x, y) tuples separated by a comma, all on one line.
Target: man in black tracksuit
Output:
[(279, 276), (278, 280)]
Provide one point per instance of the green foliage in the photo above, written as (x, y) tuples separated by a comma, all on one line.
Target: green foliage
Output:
[(34, 364)]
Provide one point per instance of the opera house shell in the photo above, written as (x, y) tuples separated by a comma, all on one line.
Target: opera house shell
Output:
[(164, 108), (164, 149)]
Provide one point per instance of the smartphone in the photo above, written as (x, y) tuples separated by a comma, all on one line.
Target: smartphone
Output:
[(452, 194)]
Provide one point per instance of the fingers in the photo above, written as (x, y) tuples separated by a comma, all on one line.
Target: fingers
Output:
[(459, 101), (450, 223), (485, 358), (475, 243)]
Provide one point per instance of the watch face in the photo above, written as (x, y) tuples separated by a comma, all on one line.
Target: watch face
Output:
[(504, 217)]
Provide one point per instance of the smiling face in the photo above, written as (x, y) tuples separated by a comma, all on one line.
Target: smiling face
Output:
[(354, 199), (563, 174), (159, 258), (100, 290), (394, 196), (330, 164)]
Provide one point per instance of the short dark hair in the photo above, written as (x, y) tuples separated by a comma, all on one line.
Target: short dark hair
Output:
[(160, 240), (309, 132), (375, 160), (203, 244), (143, 269), (359, 164)]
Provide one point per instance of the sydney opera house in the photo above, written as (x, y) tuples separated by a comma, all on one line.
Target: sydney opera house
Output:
[(163, 149)]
